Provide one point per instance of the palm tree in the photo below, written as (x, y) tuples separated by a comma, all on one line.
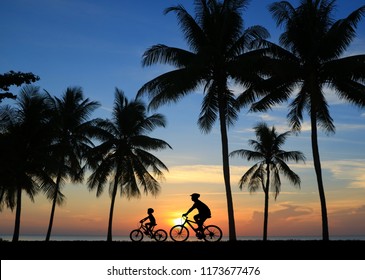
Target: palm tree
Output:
[(7, 189), (24, 138), (271, 162), (70, 127), (219, 55), (6, 196), (123, 153), (310, 60)]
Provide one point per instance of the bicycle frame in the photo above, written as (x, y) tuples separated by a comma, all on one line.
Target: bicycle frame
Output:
[(143, 230), (180, 232), (190, 223)]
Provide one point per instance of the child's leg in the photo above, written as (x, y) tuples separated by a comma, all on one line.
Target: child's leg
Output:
[(148, 226)]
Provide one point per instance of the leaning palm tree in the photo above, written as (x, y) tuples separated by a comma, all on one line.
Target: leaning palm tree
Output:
[(24, 141), (123, 155), (71, 128), (272, 160), (309, 60), (220, 54)]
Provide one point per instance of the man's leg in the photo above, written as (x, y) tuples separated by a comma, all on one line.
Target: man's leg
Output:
[(202, 220), (199, 221)]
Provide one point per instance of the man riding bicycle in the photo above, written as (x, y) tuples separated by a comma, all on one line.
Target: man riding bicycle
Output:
[(204, 211)]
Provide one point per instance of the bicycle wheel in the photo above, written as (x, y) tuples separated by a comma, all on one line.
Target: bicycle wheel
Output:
[(160, 235), (136, 235), (179, 233), (212, 233)]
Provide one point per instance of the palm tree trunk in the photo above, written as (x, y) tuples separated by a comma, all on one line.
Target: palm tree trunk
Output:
[(318, 170), (17, 215), (114, 194), (54, 202), (226, 174), (48, 236), (2, 195), (266, 207)]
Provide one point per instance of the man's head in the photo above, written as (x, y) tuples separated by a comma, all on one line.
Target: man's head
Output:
[(194, 196)]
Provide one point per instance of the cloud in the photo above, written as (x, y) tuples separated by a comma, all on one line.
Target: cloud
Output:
[(352, 170), (348, 220), (297, 220), (211, 174), (350, 126), (289, 220)]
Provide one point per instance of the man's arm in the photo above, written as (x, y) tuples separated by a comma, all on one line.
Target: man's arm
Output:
[(191, 209)]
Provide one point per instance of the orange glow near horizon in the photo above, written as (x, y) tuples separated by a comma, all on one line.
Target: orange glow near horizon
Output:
[(295, 212)]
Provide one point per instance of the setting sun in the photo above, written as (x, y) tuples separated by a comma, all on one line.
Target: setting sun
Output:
[(177, 221)]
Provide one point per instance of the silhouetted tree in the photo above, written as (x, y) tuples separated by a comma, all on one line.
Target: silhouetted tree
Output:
[(219, 55), (12, 78), (271, 163), (123, 153), (24, 140), (71, 130), (310, 60)]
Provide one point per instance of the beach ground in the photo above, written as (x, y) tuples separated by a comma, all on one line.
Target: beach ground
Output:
[(169, 250)]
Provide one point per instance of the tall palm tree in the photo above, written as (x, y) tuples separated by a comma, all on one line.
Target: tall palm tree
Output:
[(123, 153), (25, 138), (219, 55), (309, 59), (70, 127), (271, 162), (7, 189), (6, 196)]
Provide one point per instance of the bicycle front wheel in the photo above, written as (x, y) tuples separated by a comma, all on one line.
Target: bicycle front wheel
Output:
[(179, 233), (136, 235), (160, 235), (212, 233)]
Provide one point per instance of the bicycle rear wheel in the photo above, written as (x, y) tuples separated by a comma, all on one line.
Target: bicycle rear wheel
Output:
[(136, 235), (160, 235), (212, 233), (179, 233)]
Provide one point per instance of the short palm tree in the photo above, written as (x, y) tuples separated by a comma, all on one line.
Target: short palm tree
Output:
[(309, 60), (71, 128), (25, 139), (123, 155), (220, 53), (271, 163)]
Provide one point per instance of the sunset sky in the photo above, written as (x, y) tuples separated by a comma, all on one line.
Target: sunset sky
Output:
[(98, 45)]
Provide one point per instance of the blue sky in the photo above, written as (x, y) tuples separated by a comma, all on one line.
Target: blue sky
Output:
[(98, 45)]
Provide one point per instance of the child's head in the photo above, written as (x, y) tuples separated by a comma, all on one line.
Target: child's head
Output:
[(150, 211)]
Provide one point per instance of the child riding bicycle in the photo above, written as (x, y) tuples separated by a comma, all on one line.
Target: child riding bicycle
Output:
[(152, 221)]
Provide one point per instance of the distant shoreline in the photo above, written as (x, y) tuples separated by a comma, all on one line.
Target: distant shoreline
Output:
[(82, 237), (152, 250)]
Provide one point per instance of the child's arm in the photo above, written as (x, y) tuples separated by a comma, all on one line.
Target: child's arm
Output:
[(141, 221)]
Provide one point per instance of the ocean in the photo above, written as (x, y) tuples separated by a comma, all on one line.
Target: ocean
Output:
[(36, 237)]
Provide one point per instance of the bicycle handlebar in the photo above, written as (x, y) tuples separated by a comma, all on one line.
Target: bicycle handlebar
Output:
[(187, 219)]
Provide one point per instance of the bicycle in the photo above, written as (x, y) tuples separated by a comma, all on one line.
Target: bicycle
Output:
[(137, 235), (180, 233)]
